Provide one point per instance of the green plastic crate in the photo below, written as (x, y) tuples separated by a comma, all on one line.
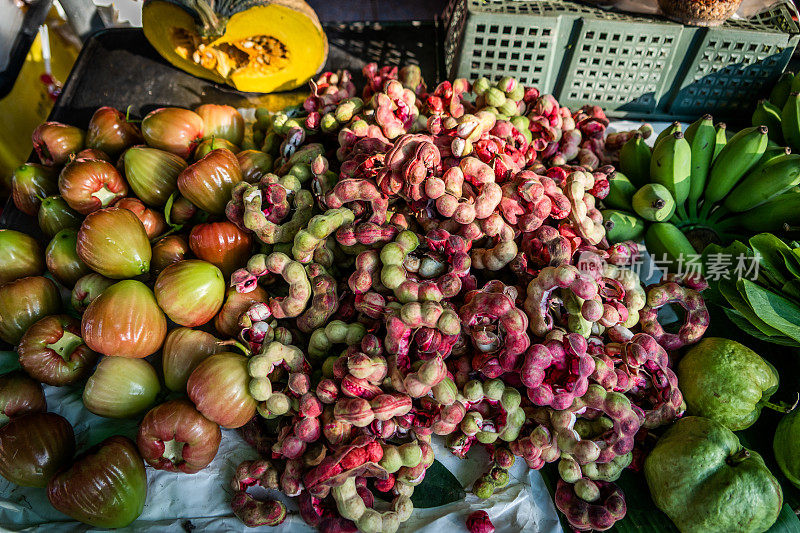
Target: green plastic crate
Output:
[(634, 66)]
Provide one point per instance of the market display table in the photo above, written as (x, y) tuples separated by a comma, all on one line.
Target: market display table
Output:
[(119, 68)]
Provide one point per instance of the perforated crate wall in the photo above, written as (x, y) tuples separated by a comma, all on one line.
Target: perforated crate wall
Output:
[(628, 67), (634, 66)]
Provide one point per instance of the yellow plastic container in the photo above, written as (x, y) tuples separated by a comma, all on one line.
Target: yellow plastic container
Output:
[(30, 101)]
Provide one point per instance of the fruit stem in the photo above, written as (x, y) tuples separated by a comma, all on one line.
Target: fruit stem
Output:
[(739, 457), (66, 345), (693, 210), (718, 214), (781, 407), (104, 195), (232, 342), (706, 209), (173, 229), (682, 212), (212, 26), (173, 451)]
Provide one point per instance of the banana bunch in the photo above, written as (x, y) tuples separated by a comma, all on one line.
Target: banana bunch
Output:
[(703, 185)]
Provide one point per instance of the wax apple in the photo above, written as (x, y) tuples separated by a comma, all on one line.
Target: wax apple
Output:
[(174, 436), (105, 487)]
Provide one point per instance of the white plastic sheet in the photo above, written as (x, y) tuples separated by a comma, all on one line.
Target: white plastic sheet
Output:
[(178, 502)]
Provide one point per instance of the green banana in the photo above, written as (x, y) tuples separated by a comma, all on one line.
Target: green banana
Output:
[(701, 136), (790, 121), (771, 216), (764, 184), (671, 166), (634, 160), (620, 192), (721, 139), (669, 130), (795, 84), (771, 155), (738, 157), (622, 226), (654, 202), (780, 92), (664, 241), (770, 116)]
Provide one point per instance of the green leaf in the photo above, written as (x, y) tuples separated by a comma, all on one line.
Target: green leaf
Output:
[(792, 289), (787, 522), (746, 326), (791, 261), (768, 247), (9, 361), (439, 487), (775, 310), (168, 211), (729, 290)]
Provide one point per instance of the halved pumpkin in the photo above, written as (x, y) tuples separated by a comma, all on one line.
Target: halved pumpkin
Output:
[(253, 45)]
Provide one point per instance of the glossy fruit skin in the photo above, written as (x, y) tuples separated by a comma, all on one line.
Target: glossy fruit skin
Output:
[(93, 153), (152, 173), (173, 129), (105, 486), (23, 302), (113, 242), (22, 256), (111, 132), (183, 350), (51, 351), (219, 389), (62, 258), (700, 475), (20, 394), (208, 183), (179, 421), (91, 184), (190, 292), (207, 145), (236, 303), (121, 387), (222, 122), (87, 289), (222, 244), (55, 142), (30, 183), (55, 214), (34, 447), (124, 321), (255, 164), (182, 211), (152, 221), (168, 250)]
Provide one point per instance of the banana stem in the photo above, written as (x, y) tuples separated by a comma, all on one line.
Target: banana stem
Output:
[(706, 209), (682, 212), (718, 214), (693, 208)]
